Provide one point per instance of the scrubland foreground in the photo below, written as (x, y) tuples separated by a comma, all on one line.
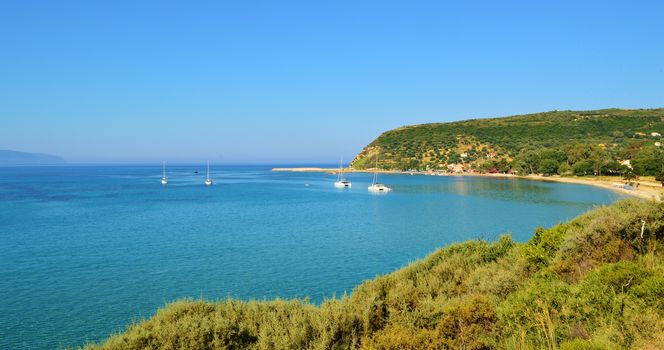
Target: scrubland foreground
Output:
[(596, 282)]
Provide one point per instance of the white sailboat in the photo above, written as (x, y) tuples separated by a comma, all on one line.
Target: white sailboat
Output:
[(164, 179), (208, 181), (341, 181), (375, 185)]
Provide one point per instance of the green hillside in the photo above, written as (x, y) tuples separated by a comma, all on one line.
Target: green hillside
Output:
[(599, 138), (596, 282)]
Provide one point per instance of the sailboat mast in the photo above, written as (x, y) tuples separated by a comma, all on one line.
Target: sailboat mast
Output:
[(341, 169), (164, 167), (376, 172), (208, 169)]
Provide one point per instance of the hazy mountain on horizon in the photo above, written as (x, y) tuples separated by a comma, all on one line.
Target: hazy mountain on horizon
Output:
[(16, 158)]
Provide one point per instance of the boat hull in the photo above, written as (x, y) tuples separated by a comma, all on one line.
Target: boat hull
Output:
[(379, 188), (343, 184)]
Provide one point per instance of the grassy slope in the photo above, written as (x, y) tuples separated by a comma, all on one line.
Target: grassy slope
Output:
[(507, 136), (592, 283)]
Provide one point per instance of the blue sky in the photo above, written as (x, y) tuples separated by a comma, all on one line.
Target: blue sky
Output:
[(309, 81)]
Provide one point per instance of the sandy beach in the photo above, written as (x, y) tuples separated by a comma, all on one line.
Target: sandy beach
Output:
[(646, 189)]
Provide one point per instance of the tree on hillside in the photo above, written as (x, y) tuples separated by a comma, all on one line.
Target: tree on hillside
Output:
[(583, 167), (552, 153), (576, 152), (648, 162), (618, 136), (614, 168), (599, 157), (565, 169), (631, 150), (503, 165), (528, 162), (454, 158), (660, 176), (549, 166)]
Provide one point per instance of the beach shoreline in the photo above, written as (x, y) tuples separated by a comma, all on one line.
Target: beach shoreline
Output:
[(645, 190)]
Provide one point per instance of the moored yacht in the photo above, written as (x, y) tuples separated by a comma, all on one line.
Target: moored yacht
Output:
[(341, 181), (164, 179), (379, 187), (208, 181), (375, 185)]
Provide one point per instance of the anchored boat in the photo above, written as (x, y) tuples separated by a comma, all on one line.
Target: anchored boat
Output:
[(375, 185), (341, 181)]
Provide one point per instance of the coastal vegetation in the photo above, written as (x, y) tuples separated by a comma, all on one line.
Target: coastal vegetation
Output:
[(596, 282), (600, 142)]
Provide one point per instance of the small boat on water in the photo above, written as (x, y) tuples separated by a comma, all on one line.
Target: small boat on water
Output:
[(208, 181), (376, 186), (164, 179), (341, 181), (379, 187)]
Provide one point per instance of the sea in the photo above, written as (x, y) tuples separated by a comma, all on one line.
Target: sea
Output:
[(87, 250)]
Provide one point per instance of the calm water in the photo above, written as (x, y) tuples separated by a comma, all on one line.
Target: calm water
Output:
[(85, 250)]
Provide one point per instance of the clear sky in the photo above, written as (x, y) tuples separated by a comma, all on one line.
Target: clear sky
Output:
[(310, 81)]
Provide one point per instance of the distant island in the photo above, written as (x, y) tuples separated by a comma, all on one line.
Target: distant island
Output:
[(598, 142), (15, 158)]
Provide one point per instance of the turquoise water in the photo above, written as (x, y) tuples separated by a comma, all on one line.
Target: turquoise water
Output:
[(85, 250)]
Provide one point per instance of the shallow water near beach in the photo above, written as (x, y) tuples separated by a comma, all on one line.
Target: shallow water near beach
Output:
[(85, 250)]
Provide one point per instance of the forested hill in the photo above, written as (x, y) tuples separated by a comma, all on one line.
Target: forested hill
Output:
[(479, 143)]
